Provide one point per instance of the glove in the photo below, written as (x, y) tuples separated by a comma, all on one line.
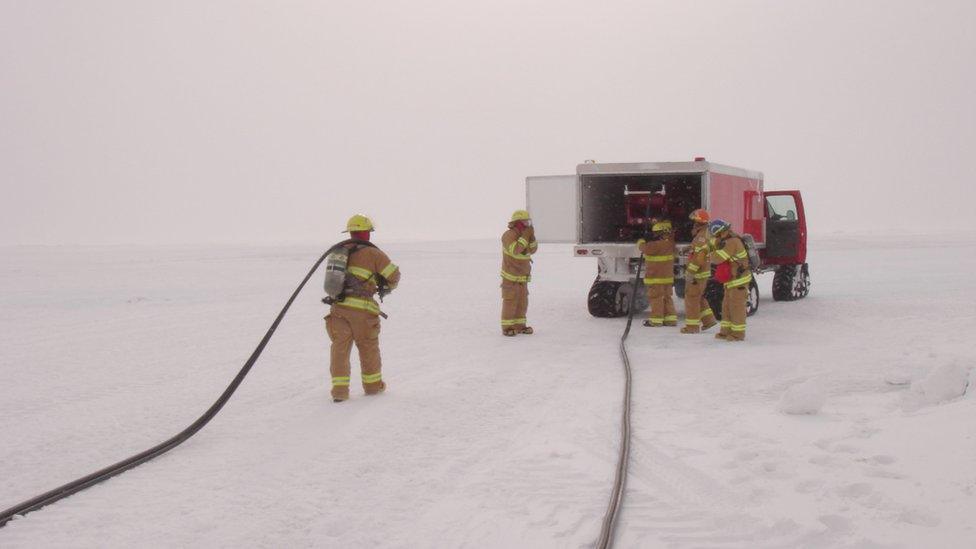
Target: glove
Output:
[(690, 279)]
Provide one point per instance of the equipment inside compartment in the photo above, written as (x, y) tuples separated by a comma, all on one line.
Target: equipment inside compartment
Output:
[(617, 208)]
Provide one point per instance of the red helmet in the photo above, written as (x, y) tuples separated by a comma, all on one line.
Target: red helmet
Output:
[(700, 216)]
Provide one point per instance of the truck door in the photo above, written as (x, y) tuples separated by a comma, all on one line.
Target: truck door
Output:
[(786, 228), (553, 203)]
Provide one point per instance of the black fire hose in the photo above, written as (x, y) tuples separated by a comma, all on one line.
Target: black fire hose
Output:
[(620, 477), (52, 496)]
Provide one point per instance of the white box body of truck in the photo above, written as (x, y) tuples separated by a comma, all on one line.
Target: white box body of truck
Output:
[(604, 209)]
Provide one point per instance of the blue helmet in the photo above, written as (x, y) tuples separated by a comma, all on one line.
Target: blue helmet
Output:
[(718, 226)]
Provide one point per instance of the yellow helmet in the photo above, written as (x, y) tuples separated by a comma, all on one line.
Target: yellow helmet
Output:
[(661, 226), (519, 215), (358, 223)]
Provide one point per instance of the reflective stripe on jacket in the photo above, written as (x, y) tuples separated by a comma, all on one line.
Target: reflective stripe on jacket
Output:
[(731, 249), (517, 250), (360, 303), (658, 261), (367, 265), (698, 264)]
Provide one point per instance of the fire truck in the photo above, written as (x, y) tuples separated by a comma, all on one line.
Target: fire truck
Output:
[(604, 208)]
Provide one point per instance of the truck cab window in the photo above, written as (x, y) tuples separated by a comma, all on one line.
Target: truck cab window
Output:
[(780, 208)]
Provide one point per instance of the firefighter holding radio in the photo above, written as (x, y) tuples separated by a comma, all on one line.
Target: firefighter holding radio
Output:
[(518, 245), (732, 269), (698, 313), (658, 255)]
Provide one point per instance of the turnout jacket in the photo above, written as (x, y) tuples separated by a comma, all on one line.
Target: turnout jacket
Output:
[(658, 260), (517, 250), (729, 248), (698, 264), (366, 268)]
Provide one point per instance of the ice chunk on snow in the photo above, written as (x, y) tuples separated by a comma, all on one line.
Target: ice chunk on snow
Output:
[(803, 398), (898, 378), (943, 383)]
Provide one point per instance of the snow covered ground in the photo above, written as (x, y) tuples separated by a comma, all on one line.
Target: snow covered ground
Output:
[(484, 441)]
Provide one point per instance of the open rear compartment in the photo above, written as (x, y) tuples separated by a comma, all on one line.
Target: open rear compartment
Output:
[(617, 207)]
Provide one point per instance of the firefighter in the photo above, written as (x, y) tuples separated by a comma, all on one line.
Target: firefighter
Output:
[(355, 318), (659, 274), (518, 245), (731, 259), (698, 313)]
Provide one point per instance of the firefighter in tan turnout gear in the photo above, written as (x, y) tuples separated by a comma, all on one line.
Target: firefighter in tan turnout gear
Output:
[(518, 245), (731, 260), (355, 316), (659, 274), (698, 313)]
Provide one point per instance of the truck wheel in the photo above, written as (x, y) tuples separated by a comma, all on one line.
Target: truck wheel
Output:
[(612, 299), (679, 287), (791, 282), (602, 298), (641, 303), (715, 292), (752, 302)]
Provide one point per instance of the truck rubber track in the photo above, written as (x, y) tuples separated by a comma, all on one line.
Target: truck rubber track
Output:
[(620, 477), (80, 484)]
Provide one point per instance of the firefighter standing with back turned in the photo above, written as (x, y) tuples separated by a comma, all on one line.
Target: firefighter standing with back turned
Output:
[(698, 313), (732, 268), (659, 274), (355, 318), (518, 245)]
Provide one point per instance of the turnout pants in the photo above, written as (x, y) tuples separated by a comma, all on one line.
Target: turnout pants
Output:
[(734, 312), (345, 327), (515, 303), (697, 309), (662, 306)]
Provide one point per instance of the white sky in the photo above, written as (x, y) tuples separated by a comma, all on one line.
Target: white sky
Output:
[(178, 122)]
